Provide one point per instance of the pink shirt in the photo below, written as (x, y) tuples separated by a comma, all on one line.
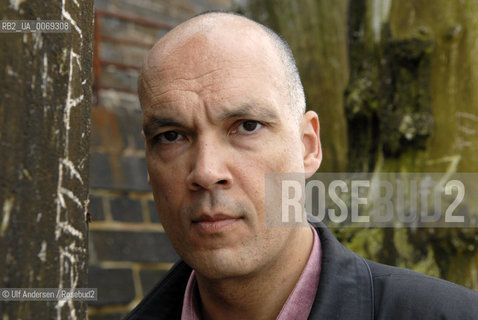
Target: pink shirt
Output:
[(297, 305)]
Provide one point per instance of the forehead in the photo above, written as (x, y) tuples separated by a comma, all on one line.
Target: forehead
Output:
[(221, 65), (223, 33), (227, 46)]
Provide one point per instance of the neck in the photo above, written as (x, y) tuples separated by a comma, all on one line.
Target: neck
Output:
[(262, 294)]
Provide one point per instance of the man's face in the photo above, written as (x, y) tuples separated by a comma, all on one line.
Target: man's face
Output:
[(216, 120)]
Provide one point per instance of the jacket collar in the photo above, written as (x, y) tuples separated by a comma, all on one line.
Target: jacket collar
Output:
[(165, 300), (345, 288)]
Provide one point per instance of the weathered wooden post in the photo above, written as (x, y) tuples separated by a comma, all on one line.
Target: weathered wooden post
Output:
[(45, 96)]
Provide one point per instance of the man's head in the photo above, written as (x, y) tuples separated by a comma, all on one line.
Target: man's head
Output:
[(221, 109)]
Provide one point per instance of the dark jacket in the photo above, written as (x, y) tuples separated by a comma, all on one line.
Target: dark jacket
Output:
[(350, 288)]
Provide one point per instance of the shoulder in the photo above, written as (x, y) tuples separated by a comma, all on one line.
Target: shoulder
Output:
[(406, 294), (352, 287)]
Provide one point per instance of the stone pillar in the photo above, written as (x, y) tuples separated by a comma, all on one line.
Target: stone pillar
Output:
[(45, 98)]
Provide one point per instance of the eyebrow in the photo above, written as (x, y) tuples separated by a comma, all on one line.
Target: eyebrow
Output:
[(244, 111), (155, 123)]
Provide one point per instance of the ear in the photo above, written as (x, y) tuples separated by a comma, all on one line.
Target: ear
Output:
[(312, 151), (146, 146)]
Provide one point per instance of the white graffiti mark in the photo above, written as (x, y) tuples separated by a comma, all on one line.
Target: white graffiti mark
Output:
[(27, 174), (451, 168), (77, 58), (68, 259), (67, 15), (66, 117), (65, 226), (71, 195), (73, 172), (37, 40), (81, 163), (466, 123), (462, 143), (61, 200), (467, 115), (10, 71), (44, 77), (468, 131), (7, 209), (76, 101), (15, 4), (42, 254)]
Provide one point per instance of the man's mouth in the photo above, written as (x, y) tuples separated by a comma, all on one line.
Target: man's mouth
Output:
[(210, 224)]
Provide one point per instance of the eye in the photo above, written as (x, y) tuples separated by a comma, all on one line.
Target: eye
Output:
[(168, 137), (249, 126)]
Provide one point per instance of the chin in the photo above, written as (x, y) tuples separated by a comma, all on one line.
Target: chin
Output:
[(219, 264)]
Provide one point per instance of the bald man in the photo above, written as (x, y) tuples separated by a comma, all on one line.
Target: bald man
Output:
[(223, 106)]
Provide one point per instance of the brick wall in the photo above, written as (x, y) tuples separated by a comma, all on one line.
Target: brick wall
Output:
[(128, 249)]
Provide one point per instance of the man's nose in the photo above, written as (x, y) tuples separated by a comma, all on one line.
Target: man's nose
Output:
[(210, 168)]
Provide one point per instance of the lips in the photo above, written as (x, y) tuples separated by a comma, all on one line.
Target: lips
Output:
[(211, 224)]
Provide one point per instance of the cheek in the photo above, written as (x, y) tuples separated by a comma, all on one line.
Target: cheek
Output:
[(164, 176), (165, 185), (286, 157), (168, 203)]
